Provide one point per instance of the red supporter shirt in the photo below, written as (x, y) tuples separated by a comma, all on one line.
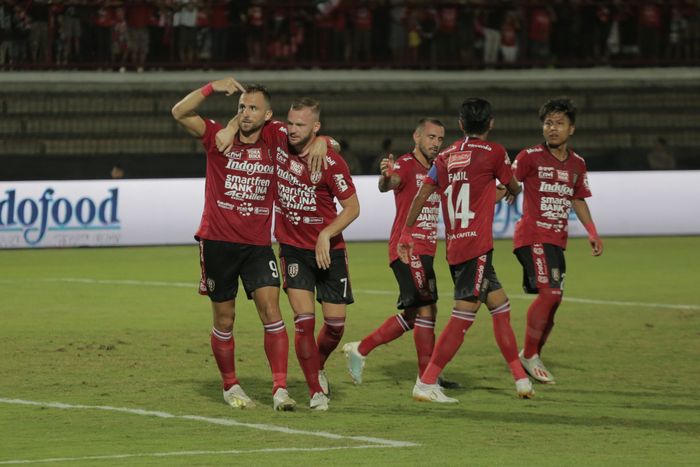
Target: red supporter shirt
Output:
[(465, 174), (238, 193), (550, 185), (305, 203), (412, 174)]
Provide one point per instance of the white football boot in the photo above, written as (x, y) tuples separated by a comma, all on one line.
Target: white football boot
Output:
[(323, 382), (524, 388), (282, 402), (319, 402), (536, 368), (236, 397), (431, 393), (355, 361)]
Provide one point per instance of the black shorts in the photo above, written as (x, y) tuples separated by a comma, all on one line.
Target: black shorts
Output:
[(224, 262), (474, 279), (299, 271), (417, 284), (543, 266)]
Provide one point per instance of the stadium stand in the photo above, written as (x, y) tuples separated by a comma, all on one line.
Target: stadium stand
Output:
[(76, 125)]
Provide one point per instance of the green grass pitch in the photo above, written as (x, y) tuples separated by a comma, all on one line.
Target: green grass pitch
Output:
[(99, 330)]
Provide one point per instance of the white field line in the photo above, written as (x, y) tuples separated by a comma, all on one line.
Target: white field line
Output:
[(214, 421), (376, 442), (181, 454), (193, 285)]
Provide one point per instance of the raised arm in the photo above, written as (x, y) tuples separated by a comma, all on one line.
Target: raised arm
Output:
[(584, 215), (388, 179), (184, 111), (350, 212)]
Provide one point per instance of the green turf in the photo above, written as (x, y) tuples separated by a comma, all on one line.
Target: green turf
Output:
[(627, 375)]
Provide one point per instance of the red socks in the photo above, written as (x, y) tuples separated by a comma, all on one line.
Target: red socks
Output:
[(329, 337), (540, 320), (222, 346), (277, 350), (505, 338), (424, 339), (306, 349), (391, 329), (448, 344)]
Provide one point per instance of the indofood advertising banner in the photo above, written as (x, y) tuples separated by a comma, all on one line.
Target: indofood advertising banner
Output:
[(167, 211)]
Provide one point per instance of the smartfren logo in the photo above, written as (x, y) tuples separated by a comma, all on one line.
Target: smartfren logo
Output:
[(34, 217)]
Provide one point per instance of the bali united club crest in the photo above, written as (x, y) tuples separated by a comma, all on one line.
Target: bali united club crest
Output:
[(211, 285), (316, 177), (293, 270)]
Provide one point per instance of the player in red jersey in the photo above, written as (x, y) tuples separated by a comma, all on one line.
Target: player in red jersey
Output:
[(417, 285), (465, 175), (234, 234), (555, 181), (312, 249)]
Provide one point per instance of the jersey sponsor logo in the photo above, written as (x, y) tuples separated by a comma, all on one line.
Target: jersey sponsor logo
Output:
[(250, 168), (419, 180), (237, 155), (245, 209), (534, 150), (254, 154), (485, 147), (330, 161), (480, 271), (563, 175), (340, 182), (293, 269), (211, 285), (545, 173), (297, 168), (261, 211), (558, 188), (313, 220), (293, 217), (282, 156), (224, 205), (459, 159), (418, 279), (541, 270)]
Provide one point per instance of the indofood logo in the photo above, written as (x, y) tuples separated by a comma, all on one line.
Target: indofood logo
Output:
[(34, 217)]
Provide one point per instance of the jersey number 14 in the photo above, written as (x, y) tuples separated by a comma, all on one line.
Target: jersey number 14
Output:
[(458, 206)]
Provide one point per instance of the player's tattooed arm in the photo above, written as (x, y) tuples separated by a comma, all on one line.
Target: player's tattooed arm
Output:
[(405, 246)]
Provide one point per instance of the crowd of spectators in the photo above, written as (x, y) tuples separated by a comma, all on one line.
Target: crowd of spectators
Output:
[(138, 34)]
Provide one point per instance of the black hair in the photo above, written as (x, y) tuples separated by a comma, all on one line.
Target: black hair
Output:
[(559, 104), (475, 115)]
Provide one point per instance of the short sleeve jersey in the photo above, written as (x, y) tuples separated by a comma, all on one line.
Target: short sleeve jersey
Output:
[(550, 185), (412, 173), (305, 201), (465, 174), (239, 191)]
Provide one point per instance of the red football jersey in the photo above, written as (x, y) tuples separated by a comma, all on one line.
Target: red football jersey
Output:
[(465, 174), (550, 185), (412, 174), (238, 193), (304, 201)]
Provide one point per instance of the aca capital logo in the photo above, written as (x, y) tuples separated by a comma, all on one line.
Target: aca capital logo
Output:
[(34, 217)]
